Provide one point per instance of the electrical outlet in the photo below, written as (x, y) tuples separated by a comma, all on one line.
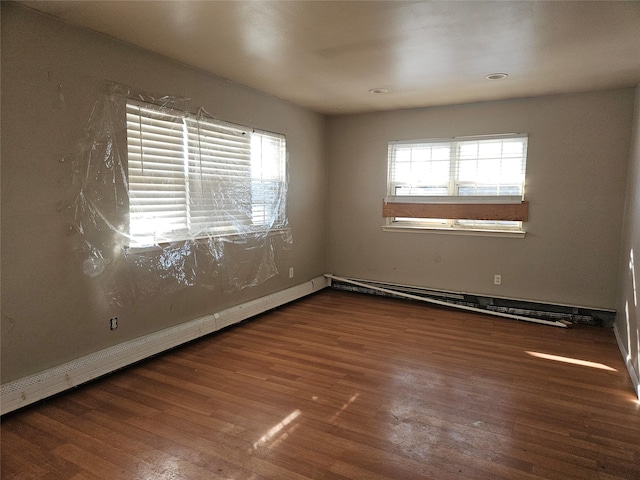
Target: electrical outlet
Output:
[(290, 272), (497, 279), (113, 323)]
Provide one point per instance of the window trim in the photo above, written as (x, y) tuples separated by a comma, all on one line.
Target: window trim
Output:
[(448, 212), (442, 230)]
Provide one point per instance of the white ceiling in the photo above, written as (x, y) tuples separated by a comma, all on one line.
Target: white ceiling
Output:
[(327, 55)]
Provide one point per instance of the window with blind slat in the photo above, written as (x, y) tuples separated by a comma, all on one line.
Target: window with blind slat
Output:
[(487, 169), (192, 177)]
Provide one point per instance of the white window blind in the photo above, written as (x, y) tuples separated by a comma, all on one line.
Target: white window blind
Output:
[(191, 177), (470, 170), (219, 177)]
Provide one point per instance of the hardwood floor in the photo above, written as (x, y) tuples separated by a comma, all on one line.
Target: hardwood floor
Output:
[(345, 386)]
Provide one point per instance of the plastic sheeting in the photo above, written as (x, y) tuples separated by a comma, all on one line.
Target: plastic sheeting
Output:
[(101, 208)]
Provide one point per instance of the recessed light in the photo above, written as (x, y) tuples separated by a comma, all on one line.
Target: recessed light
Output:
[(496, 76), (378, 90)]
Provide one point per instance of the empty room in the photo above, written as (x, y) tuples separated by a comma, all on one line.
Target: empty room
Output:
[(382, 240)]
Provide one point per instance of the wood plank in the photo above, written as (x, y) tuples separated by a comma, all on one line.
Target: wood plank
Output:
[(458, 211), (340, 386)]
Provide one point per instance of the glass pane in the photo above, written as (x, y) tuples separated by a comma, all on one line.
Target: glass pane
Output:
[(468, 150), (419, 191), (419, 166), (488, 170), (439, 173), (490, 149), (467, 170), (421, 222), (268, 153), (490, 224)]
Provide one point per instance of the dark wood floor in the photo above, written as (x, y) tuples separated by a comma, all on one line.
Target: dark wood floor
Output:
[(346, 386)]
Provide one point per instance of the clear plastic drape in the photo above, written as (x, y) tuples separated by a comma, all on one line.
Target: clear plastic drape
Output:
[(225, 255)]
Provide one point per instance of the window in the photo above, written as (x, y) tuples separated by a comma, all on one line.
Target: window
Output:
[(192, 177), (474, 183)]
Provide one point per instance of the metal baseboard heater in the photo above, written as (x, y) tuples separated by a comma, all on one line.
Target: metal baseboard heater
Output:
[(30, 389), (546, 314)]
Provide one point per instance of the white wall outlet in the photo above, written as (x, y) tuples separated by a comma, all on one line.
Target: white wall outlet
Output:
[(290, 272), (497, 279), (113, 323)]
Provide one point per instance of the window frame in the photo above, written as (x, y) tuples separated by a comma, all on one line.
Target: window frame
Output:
[(212, 170), (495, 206)]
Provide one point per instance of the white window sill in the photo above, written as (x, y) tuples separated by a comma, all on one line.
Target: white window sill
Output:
[(136, 249), (454, 231)]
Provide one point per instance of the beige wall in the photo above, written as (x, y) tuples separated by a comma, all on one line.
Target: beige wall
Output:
[(51, 311), (576, 177), (628, 319)]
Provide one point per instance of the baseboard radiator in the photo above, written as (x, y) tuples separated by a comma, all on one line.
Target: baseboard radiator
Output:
[(30, 389), (536, 312)]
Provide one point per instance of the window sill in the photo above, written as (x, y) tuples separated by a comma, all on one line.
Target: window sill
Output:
[(453, 231), (220, 236)]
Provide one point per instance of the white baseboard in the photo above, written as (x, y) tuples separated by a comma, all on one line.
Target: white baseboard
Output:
[(635, 377), (24, 391)]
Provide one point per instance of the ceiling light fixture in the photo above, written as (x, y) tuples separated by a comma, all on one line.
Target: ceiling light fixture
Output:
[(378, 90), (496, 76)]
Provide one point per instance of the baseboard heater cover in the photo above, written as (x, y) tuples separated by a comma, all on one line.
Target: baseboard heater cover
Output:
[(536, 312), (27, 390)]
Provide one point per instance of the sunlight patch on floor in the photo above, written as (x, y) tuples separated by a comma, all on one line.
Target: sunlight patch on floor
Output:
[(276, 429), (344, 407), (573, 361)]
